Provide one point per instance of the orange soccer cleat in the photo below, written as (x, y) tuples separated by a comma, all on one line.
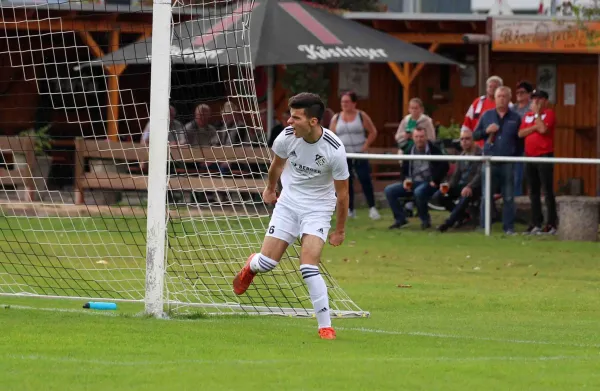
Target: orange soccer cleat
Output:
[(327, 333), (244, 278)]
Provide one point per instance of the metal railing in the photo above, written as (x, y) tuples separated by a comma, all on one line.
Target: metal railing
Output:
[(487, 164)]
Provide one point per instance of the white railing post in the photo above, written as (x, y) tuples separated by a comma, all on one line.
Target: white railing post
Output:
[(488, 196), (160, 91)]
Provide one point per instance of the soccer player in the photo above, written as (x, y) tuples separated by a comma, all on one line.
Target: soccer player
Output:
[(311, 162)]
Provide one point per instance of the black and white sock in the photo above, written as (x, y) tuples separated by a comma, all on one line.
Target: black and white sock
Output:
[(318, 293), (262, 264)]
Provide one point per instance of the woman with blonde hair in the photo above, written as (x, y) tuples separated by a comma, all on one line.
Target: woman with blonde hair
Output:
[(415, 118)]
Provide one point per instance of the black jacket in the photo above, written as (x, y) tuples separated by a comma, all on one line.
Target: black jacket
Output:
[(439, 169)]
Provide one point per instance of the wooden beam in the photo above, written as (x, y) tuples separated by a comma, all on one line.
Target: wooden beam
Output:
[(420, 66), (406, 88), (58, 25), (87, 39), (112, 115), (441, 38), (399, 73), (474, 26)]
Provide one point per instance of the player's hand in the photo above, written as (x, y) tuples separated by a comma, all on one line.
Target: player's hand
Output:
[(336, 238), (466, 192), (269, 196)]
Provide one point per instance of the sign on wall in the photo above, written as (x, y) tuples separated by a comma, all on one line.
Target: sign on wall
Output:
[(546, 80), (354, 77), (546, 36)]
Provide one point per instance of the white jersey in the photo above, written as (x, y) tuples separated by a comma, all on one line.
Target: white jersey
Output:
[(310, 170)]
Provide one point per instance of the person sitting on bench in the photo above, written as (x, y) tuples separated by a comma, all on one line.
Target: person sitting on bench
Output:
[(465, 184)]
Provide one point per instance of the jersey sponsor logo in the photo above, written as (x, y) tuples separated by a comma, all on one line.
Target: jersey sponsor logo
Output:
[(293, 154), (320, 160), (305, 169)]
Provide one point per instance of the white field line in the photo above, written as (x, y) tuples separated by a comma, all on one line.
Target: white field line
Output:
[(80, 361), (468, 337), (353, 329)]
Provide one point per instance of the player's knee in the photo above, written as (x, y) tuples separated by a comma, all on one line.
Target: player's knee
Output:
[(274, 248)]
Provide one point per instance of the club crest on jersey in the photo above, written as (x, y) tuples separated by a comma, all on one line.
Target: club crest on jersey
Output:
[(293, 154), (320, 160)]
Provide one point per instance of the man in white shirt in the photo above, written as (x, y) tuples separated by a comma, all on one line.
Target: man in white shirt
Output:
[(311, 162)]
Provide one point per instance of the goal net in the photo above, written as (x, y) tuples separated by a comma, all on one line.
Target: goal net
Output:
[(75, 159)]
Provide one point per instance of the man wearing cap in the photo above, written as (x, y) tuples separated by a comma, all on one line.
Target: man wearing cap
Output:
[(537, 128), (522, 106)]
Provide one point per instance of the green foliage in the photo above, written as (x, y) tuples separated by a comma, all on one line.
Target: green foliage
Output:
[(40, 137), (312, 78), (583, 15), (315, 78), (449, 132)]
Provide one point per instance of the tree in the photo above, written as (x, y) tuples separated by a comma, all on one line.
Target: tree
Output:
[(315, 78), (583, 16)]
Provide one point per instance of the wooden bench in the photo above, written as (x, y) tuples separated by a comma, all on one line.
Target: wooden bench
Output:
[(15, 173), (133, 155)]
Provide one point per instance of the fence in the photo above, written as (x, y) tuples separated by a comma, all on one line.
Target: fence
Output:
[(487, 164)]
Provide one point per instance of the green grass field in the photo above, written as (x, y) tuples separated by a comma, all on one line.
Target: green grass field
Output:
[(499, 313)]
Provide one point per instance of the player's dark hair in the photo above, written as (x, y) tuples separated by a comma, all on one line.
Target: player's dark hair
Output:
[(311, 103)]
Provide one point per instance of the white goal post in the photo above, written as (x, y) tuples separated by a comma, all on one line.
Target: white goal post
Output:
[(161, 159)]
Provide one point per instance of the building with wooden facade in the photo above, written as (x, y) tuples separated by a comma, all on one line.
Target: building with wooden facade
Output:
[(552, 54)]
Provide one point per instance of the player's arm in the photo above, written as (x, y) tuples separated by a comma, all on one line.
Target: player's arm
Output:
[(275, 170), (343, 201)]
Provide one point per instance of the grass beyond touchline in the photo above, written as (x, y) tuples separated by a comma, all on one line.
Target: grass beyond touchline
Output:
[(493, 313)]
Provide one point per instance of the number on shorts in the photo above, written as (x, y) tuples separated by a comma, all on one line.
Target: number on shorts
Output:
[(271, 229)]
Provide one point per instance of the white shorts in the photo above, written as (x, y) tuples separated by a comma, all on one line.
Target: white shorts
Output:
[(288, 225)]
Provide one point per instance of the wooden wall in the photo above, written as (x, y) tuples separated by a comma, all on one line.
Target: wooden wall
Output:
[(576, 125)]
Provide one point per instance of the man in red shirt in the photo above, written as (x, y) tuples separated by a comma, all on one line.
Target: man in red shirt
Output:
[(480, 105), (537, 127)]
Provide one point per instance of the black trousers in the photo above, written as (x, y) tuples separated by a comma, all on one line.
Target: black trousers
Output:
[(363, 172), (541, 175), (457, 212)]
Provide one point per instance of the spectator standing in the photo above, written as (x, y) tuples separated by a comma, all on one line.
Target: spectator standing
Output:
[(421, 179), (350, 126), (465, 183), (499, 129), (522, 106), (416, 117), (482, 104), (537, 128)]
